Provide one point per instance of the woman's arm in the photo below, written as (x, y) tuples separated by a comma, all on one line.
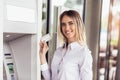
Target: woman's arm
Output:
[(44, 66), (43, 50), (86, 72)]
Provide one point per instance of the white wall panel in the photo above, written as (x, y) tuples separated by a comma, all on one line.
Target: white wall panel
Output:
[(1, 39), (21, 49), (19, 27)]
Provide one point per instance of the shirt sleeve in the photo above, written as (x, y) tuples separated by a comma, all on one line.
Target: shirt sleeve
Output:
[(45, 71), (86, 72)]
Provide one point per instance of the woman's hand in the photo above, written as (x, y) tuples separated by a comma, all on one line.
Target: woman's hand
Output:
[(43, 50)]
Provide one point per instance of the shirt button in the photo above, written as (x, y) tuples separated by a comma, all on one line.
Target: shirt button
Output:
[(57, 71)]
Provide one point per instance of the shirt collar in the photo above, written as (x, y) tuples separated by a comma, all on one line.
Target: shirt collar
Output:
[(73, 45)]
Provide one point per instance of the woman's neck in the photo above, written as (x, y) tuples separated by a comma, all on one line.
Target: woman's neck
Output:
[(71, 40)]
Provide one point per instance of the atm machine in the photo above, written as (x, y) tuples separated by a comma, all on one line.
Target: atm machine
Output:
[(21, 36), (20, 58)]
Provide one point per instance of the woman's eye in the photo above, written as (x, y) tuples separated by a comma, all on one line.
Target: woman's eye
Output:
[(62, 24), (70, 23)]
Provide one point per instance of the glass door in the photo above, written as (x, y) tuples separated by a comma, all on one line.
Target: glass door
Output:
[(109, 36)]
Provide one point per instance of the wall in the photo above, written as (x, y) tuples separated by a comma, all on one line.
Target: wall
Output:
[(1, 39)]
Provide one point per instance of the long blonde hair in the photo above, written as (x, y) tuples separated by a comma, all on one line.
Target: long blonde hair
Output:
[(80, 30)]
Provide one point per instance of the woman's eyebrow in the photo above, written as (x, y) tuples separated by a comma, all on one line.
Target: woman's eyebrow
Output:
[(62, 22), (70, 22), (67, 22)]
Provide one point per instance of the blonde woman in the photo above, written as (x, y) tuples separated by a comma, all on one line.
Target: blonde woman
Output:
[(73, 60)]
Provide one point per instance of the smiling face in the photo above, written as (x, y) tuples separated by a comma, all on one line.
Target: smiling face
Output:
[(68, 28), (72, 27)]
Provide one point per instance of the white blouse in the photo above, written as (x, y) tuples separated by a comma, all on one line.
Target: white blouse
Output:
[(72, 63)]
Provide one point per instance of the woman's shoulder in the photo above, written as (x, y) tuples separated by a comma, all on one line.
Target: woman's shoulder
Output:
[(84, 47), (84, 50), (85, 57)]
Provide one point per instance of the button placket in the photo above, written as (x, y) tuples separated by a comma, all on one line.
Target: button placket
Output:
[(61, 63)]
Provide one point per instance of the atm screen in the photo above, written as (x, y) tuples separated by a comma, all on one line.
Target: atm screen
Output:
[(10, 67)]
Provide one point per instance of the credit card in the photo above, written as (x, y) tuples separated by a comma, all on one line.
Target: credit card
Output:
[(46, 38)]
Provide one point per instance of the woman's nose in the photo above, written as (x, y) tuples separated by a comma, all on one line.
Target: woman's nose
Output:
[(67, 27)]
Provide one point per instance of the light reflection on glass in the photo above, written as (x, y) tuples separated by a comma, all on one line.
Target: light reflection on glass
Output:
[(113, 41)]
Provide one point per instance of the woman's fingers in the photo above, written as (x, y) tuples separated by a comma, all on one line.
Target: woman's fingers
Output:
[(41, 43), (43, 47)]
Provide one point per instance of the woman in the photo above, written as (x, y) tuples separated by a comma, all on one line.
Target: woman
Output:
[(72, 61)]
